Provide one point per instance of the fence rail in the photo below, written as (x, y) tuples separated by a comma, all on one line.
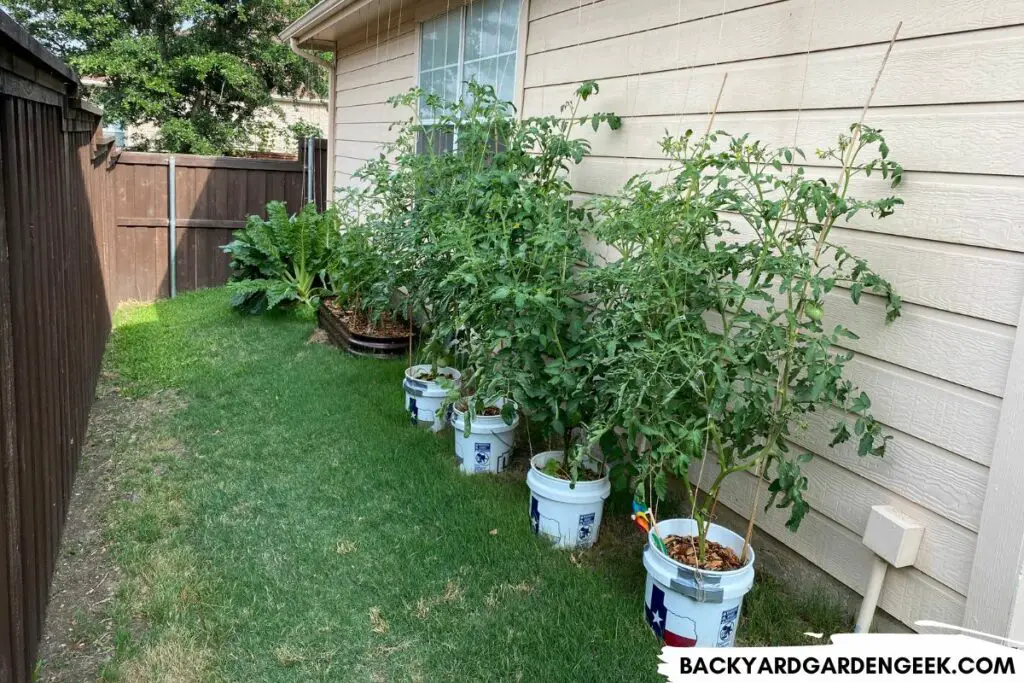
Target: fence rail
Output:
[(212, 196), (80, 231)]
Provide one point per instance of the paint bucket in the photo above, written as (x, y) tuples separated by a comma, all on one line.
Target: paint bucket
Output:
[(423, 398), (689, 607), (488, 446), (569, 516)]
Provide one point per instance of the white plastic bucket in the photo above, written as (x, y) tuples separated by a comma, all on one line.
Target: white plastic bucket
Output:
[(489, 444), (570, 517), (689, 607), (423, 398)]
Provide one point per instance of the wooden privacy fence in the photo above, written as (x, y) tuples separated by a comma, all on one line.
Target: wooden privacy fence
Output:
[(81, 231), (53, 322), (211, 197)]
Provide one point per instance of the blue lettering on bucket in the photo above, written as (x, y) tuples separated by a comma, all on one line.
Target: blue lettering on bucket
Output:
[(413, 413), (586, 526), (534, 516), (728, 628), (483, 453)]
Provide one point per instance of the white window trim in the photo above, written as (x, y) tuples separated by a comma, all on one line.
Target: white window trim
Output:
[(520, 51)]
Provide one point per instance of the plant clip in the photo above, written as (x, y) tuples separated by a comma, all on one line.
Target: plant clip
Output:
[(659, 544), (643, 517), (641, 522)]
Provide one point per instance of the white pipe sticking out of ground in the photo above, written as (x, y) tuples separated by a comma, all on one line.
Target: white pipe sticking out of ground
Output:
[(895, 539)]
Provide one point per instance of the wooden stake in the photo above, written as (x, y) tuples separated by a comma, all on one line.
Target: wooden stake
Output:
[(752, 515), (718, 101), (410, 332), (703, 460), (878, 76), (856, 132)]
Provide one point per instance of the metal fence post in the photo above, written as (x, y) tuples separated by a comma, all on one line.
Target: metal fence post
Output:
[(309, 170), (172, 227)]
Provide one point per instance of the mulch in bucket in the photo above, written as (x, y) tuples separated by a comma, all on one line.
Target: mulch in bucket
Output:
[(683, 549)]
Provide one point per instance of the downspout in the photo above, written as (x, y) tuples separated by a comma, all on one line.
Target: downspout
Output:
[(293, 43)]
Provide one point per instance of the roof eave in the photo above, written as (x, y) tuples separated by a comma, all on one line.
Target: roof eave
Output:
[(302, 28)]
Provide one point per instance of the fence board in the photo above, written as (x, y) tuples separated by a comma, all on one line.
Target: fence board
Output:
[(56, 218), (213, 197), (11, 628), (53, 323)]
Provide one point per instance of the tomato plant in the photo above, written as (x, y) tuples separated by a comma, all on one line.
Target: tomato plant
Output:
[(712, 334)]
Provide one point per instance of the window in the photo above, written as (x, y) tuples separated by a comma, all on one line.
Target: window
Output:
[(117, 131), (474, 42)]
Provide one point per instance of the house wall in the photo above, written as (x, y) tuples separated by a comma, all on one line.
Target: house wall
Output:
[(799, 71), (371, 66), (314, 111)]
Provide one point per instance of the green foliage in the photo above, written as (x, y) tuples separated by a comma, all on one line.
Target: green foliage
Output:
[(304, 129), (705, 341), (285, 259), (489, 246), (713, 334), (199, 70)]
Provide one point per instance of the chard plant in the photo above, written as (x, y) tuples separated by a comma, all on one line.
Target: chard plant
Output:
[(283, 260), (713, 339)]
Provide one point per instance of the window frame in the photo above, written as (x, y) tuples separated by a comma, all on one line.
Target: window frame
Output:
[(462, 9)]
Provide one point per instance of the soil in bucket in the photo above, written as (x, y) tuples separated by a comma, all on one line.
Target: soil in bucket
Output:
[(429, 376), (489, 411), (683, 549), (555, 468)]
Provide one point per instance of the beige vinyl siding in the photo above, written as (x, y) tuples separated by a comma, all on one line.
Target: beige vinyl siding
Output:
[(950, 104), (371, 67)]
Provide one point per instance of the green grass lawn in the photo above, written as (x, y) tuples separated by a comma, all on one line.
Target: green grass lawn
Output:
[(279, 520)]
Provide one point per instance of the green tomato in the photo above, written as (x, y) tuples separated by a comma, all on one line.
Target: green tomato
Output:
[(814, 312)]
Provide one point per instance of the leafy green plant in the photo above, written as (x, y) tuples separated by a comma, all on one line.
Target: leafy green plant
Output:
[(284, 259), (499, 248), (714, 342), (304, 129), (527, 251)]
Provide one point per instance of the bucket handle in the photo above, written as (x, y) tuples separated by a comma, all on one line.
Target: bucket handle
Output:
[(496, 435), (695, 585), (510, 443), (413, 387)]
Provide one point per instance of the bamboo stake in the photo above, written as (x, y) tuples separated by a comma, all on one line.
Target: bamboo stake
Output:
[(703, 460), (409, 308), (856, 132), (718, 101)]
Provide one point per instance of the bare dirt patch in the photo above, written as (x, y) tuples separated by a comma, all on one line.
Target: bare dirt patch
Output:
[(319, 336), (78, 640)]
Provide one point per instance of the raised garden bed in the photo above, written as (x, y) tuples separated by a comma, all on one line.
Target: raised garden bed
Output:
[(353, 332)]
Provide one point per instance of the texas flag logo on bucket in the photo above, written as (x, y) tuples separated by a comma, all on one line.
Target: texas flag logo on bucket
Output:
[(675, 630)]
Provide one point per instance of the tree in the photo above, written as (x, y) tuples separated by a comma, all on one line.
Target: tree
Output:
[(197, 69)]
